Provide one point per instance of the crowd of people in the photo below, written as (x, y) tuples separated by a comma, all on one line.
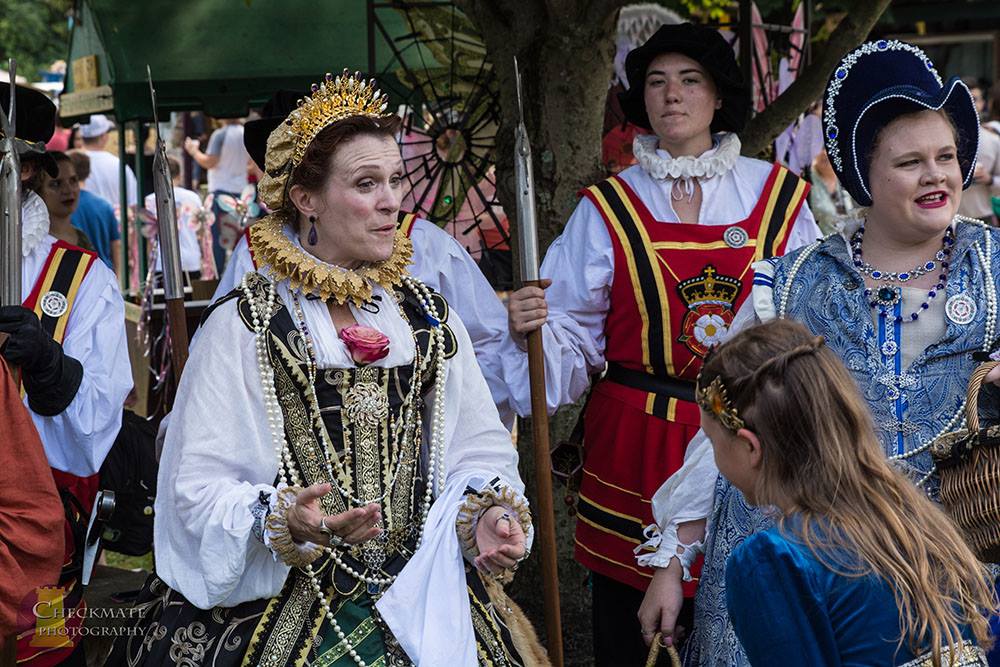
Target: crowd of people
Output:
[(338, 484)]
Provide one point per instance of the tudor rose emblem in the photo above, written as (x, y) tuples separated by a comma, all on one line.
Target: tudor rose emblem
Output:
[(709, 298)]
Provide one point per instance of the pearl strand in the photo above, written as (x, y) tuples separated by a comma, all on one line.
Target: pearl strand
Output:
[(958, 420), (261, 322), (435, 461)]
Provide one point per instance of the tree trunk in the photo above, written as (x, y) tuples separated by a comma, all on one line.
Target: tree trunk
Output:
[(807, 88), (565, 50)]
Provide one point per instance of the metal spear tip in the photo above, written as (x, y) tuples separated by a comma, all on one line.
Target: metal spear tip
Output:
[(517, 83)]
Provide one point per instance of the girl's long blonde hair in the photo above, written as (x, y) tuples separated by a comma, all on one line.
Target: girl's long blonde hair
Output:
[(859, 516)]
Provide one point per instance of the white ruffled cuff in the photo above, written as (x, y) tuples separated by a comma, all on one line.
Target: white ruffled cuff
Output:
[(659, 549)]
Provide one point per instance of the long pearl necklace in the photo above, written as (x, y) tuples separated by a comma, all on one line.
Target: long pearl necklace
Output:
[(287, 470), (402, 432)]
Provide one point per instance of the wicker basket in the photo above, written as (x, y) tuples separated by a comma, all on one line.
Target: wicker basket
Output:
[(654, 653), (969, 464)]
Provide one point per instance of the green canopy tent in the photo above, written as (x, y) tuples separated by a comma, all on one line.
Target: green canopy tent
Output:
[(224, 57)]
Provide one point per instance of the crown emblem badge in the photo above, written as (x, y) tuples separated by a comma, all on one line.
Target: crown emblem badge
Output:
[(710, 298)]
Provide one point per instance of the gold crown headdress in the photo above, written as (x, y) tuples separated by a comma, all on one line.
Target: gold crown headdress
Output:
[(332, 100), (714, 401)]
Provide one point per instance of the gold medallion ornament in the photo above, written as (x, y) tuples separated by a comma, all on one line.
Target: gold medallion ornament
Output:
[(333, 100), (287, 261), (713, 400)]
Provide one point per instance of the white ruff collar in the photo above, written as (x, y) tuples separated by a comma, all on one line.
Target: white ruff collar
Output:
[(34, 222), (714, 162)]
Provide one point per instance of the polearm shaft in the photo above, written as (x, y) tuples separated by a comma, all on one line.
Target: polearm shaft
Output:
[(166, 217), (544, 512), (10, 202)]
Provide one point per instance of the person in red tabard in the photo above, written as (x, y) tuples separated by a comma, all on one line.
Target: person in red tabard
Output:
[(31, 514)]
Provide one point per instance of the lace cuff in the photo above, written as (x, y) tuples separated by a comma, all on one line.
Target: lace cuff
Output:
[(278, 538), (659, 549), (259, 510), (477, 502)]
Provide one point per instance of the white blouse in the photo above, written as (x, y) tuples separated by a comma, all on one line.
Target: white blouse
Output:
[(580, 263)]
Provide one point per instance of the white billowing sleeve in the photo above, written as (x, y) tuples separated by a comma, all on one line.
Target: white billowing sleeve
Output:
[(581, 265), (79, 438), (441, 263), (688, 494), (432, 585), (218, 457)]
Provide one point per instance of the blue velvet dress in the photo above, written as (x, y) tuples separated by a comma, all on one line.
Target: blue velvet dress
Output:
[(788, 608)]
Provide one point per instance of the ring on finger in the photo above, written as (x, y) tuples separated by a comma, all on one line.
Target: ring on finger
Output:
[(503, 517), (335, 540)]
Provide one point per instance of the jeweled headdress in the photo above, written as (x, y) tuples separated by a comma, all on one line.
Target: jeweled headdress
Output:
[(332, 100), (713, 399)]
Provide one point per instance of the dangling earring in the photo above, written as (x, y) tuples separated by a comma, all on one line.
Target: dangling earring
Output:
[(313, 237)]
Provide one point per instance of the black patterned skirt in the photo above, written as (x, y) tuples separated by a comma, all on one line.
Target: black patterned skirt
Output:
[(291, 630)]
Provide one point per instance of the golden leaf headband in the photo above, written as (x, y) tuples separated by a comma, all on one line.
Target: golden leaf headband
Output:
[(332, 100), (713, 400)]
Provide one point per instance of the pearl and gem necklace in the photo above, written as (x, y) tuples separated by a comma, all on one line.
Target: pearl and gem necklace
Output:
[(287, 469), (884, 298)]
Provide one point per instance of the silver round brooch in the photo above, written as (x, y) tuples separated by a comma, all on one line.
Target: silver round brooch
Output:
[(54, 304), (735, 237), (961, 308)]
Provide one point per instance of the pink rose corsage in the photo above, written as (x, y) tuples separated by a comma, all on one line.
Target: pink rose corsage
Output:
[(365, 344)]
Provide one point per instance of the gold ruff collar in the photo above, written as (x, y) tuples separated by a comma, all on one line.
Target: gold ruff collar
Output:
[(305, 272)]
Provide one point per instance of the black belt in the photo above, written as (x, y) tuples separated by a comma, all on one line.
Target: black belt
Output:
[(682, 390)]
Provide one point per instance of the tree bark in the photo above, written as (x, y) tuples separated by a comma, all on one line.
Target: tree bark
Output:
[(763, 128), (565, 51)]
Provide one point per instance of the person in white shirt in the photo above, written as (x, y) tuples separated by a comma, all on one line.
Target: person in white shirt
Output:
[(187, 203), (226, 161), (105, 168), (646, 277)]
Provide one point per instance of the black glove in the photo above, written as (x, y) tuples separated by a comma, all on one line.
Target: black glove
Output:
[(51, 378)]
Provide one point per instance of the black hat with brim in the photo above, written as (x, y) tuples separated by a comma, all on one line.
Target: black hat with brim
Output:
[(274, 112), (34, 123), (709, 49), (872, 86)]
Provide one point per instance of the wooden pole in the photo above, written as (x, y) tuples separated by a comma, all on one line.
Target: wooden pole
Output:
[(544, 511), (177, 323)]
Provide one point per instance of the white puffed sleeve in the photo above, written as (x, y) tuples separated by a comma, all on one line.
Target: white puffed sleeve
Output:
[(79, 438), (581, 265), (218, 464)]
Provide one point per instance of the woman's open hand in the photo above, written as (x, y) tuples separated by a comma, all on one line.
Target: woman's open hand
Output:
[(994, 376), (353, 526), (500, 540)]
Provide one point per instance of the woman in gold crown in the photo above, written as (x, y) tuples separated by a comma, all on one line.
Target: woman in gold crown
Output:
[(358, 500)]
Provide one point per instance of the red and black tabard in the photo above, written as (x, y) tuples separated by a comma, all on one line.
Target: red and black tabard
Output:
[(52, 299), (675, 291)]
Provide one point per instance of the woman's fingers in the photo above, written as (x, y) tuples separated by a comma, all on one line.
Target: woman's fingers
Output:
[(312, 492), (354, 523)]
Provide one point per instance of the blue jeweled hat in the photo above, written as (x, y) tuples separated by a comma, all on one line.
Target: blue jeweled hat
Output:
[(876, 83)]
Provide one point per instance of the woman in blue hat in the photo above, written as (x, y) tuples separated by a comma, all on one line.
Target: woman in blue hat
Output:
[(906, 296)]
